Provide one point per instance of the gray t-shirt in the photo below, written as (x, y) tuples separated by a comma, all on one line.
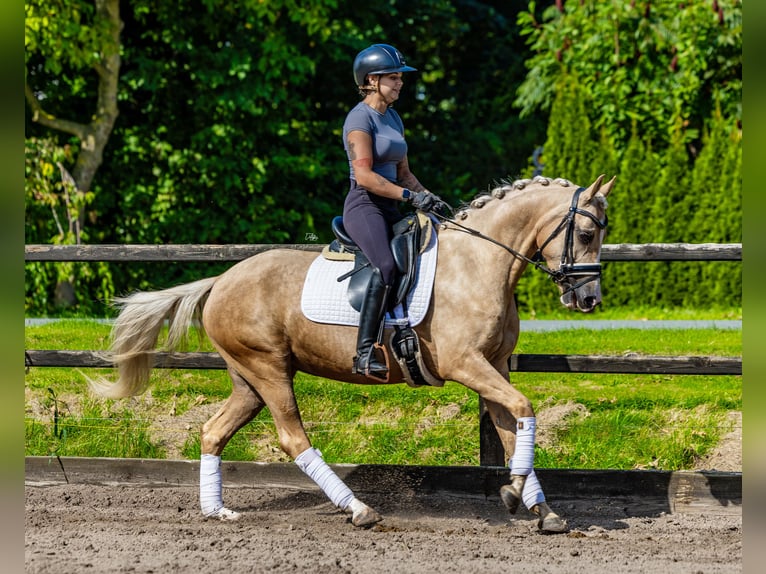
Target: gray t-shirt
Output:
[(387, 131)]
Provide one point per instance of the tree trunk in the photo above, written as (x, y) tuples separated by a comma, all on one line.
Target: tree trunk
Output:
[(95, 135)]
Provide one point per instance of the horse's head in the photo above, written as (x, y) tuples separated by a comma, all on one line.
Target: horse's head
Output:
[(571, 246)]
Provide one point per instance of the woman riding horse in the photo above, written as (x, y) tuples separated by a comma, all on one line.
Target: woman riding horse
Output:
[(252, 315)]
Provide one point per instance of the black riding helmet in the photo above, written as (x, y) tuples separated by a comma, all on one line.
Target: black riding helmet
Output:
[(378, 59)]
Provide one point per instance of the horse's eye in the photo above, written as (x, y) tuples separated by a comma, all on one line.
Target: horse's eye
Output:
[(585, 236)]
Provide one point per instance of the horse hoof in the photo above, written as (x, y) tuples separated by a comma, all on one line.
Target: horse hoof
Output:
[(510, 498), (552, 524), (549, 522), (365, 517), (510, 494), (224, 514)]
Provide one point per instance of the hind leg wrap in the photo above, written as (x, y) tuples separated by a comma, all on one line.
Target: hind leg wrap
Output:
[(310, 461), (211, 490)]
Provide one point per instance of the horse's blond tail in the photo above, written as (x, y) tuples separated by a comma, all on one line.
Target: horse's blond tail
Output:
[(136, 331)]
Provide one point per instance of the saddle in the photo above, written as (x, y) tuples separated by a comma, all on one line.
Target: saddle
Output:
[(410, 236)]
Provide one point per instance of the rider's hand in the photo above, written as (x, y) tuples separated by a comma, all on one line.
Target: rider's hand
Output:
[(424, 200), (430, 202)]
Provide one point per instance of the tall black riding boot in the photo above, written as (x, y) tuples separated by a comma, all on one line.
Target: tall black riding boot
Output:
[(370, 322)]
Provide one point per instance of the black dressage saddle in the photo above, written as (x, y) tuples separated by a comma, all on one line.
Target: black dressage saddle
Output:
[(410, 235), (406, 243)]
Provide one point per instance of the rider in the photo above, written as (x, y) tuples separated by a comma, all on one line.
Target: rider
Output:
[(373, 137)]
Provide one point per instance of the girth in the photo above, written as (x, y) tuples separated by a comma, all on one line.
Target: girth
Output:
[(408, 238)]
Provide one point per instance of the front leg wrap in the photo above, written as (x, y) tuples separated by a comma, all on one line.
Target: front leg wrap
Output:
[(524, 484), (531, 494), (523, 461)]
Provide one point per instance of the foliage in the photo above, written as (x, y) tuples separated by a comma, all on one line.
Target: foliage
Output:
[(72, 61), (631, 92), (230, 116), (54, 203), (54, 209), (641, 61), (62, 38)]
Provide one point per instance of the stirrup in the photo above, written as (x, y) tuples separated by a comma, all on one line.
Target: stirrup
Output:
[(368, 359)]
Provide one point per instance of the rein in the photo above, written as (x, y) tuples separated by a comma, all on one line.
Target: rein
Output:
[(568, 269)]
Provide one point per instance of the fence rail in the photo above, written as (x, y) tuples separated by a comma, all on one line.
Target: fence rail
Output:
[(609, 252), (491, 451), (523, 363)]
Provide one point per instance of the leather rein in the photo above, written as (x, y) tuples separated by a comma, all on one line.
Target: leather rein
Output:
[(569, 271)]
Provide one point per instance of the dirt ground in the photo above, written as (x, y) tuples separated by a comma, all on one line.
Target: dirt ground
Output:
[(85, 528), (89, 528)]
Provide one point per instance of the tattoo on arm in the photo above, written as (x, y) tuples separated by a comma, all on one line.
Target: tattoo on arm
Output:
[(406, 178), (411, 182), (381, 180)]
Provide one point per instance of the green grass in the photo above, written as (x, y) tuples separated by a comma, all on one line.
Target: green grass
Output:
[(657, 439), (636, 313), (620, 421), (100, 430)]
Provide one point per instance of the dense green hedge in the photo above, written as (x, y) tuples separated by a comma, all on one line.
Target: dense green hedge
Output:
[(660, 197)]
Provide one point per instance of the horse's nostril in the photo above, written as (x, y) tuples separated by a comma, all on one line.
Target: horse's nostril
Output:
[(589, 302)]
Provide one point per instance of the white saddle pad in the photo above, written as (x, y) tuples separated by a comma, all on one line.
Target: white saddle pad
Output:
[(325, 300)]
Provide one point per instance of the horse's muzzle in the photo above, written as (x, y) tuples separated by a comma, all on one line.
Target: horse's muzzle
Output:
[(580, 284)]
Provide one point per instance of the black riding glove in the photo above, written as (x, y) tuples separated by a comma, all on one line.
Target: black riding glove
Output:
[(430, 203), (425, 200)]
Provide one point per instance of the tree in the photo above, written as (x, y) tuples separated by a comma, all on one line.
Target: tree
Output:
[(64, 36), (230, 117), (63, 39), (640, 61)]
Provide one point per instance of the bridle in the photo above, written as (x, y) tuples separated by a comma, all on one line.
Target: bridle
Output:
[(570, 275)]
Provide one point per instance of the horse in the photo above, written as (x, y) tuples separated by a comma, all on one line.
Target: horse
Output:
[(252, 315)]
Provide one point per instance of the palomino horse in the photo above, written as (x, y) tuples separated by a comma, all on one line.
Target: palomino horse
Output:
[(252, 314)]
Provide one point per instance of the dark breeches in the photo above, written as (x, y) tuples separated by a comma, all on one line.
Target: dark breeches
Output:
[(368, 220)]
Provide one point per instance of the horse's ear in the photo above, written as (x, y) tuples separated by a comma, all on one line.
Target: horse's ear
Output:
[(596, 187), (607, 187)]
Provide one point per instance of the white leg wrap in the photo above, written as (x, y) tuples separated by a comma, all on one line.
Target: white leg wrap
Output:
[(533, 492), (311, 462), (523, 460), (210, 491)]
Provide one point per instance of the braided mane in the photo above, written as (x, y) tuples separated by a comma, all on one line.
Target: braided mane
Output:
[(505, 187)]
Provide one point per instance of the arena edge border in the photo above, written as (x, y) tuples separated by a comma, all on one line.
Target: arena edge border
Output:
[(639, 492)]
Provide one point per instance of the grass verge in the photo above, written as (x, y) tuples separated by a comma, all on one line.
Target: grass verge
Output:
[(585, 421)]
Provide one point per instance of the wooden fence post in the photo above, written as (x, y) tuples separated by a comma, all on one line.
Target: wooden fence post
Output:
[(491, 452)]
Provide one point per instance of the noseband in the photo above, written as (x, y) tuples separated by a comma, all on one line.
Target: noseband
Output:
[(570, 275)]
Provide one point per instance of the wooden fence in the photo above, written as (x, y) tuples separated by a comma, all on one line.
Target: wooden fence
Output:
[(491, 452)]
